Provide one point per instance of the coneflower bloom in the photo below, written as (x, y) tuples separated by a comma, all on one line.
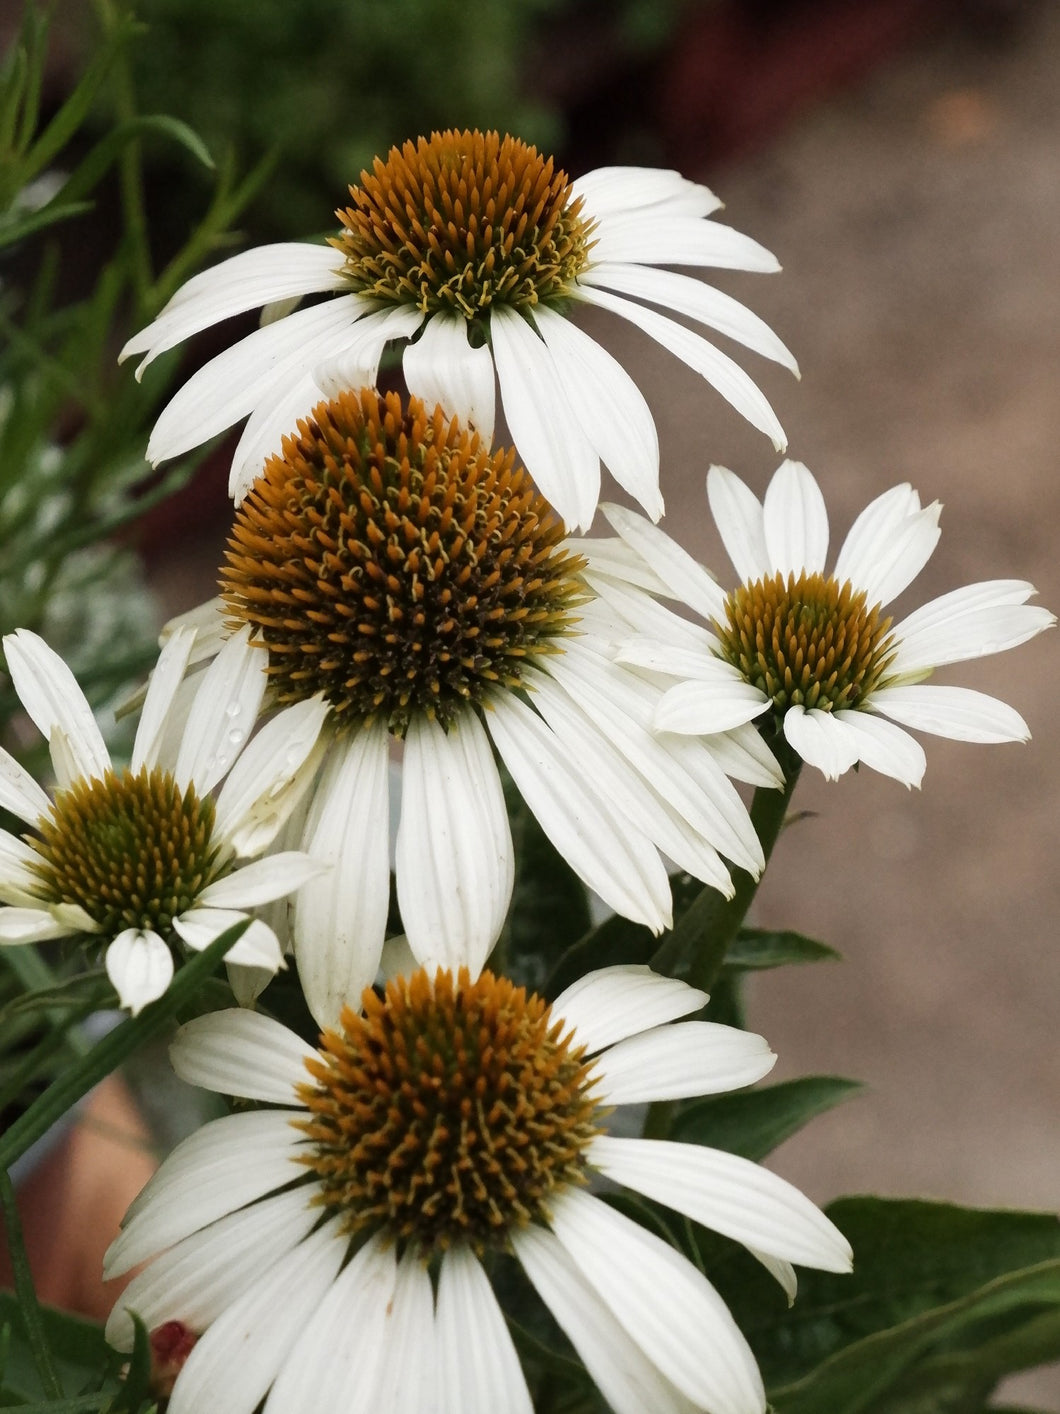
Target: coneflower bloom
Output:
[(136, 862), (413, 579), (471, 249), (336, 1249), (817, 649)]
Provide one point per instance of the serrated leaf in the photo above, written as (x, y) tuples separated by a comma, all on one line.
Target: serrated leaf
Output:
[(755, 949), (754, 1123)]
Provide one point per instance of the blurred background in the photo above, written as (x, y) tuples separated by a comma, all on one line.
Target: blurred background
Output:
[(902, 159)]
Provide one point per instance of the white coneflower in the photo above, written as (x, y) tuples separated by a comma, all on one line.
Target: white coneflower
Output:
[(474, 247), (414, 579), (335, 1251), (136, 861), (816, 648)]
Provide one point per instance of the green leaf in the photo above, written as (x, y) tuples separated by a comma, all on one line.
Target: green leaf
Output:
[(755, 949), (94, 166), (80, 1353), (754, 1123), (16, 226)]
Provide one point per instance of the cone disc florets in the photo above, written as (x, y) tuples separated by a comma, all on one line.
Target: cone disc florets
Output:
[(461, 221), (448, 1112), (806, 640), (395, 564)]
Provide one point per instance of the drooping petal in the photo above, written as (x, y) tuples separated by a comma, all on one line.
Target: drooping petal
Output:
[(723, 374), (741, 753), (455, 859), (740, 519), (885, 747), (615, 191), (613, 1003), (795, 521), (223, 713), (730, 1194), (968, 623), (18, 870), (468, 1316), (258, 945), (263, 881), (20, 793), (206, 1177), (822, 740), (166, 677), (353, 362), (284, 400), (340, 919), (31, 925), (614, 415), (702, 708), (628, 1378), (662, 238), (543, 426), (680, 1061), (889, 544), (695, 299), (956, 712), (140, 967), (54, 702), (408, 1367), (691, 1335), (685, 578), (242, 1053), (442, 367)]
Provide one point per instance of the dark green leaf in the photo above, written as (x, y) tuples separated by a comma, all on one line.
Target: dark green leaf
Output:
[(754, 949), (754, 1123), (79, 1350), (17, 226), (94, 166)]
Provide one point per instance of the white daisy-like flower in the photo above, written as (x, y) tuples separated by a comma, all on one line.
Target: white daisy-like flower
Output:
[(473, 247), (817, 649), (414, 579), (136, 861), (336, 1250)]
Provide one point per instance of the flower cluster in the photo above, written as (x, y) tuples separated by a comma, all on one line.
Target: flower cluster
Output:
[(405, 628)]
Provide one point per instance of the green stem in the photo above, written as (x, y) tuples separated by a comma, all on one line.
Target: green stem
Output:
[(25, 1291)]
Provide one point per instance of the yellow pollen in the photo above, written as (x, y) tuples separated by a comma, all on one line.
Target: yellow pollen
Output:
[(806, 641), (449, 1111), (391, 561), (463, 220)]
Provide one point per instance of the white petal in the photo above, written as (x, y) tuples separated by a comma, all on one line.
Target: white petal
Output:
[(455, 859), (246, 281), (542, 424), (442, 367), (609, 191), (695, 299), (661, 238), (781, 1272), (20, 793), (53, 701), (242, 1053), (284, 400), (612, 556), (613, 1003), (605, 851), (740, 519), (642, 615), (629, 1380), (795, 521), (354, 363), (339, 920), (822, 740), (956, 712), (166, 677), (469, 1319), (720, 371), (261, 882), (18, 866), (336, 1363), (613, 413), (676, 661), (885, 747), (232, 1366), (742, 754), (267, 781), (408, 1365), (31, 925), (140, 967), (228, 387), (698, 708), (663, 1302), (733, 1196), (678, 1061), (256, 947), (223, 714), (196, 1280), (889, 544), (685, 577), (968, 623), (223, 1166)]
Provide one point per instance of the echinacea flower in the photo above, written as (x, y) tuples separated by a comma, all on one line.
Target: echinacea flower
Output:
[(413, 578), (816, 649), (474, 247), (335, 1251), (138, 861)]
